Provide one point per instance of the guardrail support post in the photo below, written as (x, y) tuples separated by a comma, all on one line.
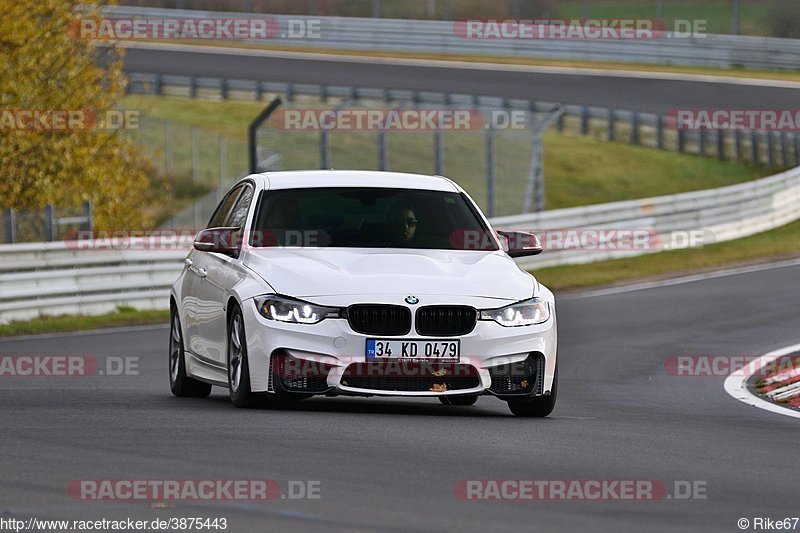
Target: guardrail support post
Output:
[(634, 128), (796, 149), (560, 123), (754, 147), (223, 89), (490, 171), (376, 9), (721, 144), (49, 223), (192, 87), (11, 226), (259, 91), (158, 85), (681, 140)]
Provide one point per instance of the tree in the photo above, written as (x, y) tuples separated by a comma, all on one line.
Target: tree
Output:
[(46, 68)]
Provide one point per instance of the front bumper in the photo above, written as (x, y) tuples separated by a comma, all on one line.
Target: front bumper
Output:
[(493, 360)]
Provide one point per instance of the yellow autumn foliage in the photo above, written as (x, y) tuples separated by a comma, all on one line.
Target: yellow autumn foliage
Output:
[(45, 67)]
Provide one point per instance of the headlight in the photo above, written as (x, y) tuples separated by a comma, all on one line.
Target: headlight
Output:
[(293, 311), (527, 313)]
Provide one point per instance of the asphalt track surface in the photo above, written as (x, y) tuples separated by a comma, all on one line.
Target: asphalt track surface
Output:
[(391, 464), (632, 93)]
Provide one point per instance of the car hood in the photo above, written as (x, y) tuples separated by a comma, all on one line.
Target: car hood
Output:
[(315, 272)]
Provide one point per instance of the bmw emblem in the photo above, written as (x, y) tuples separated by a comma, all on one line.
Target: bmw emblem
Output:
[(413, 300)]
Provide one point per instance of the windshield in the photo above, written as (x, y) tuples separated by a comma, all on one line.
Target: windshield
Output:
[(360, 217)]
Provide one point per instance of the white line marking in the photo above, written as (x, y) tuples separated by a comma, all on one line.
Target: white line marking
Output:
[(464, 65), (681, 280), (736, 383)]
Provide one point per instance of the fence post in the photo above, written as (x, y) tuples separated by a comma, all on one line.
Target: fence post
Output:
[(560, 123), (681, 140), (223, 89), (168, 145), (770, 149), (382, 150), (738, 139), (702, 147), (784, 151), (721, 144), (8, 217), (796, 149), (49, 223), (195, 155), (259, 91), (324, 150), (585, 120), (438, 153), (612, 117), (158, 85), (490, 171), (89, 214), (754, 147), (376, 9), (635, 128), (660, 132), (192, 87), (223, 159)]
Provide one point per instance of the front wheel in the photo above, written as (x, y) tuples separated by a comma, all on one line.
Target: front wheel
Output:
[(238, 367), (180, 384), (540, 406)]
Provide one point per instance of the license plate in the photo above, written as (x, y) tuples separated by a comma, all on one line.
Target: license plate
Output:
[(414, 350)]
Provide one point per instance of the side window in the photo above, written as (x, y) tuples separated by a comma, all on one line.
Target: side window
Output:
[(224, 208), (238, 216)]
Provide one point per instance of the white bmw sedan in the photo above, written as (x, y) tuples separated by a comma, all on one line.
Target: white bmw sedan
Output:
[(360, 283)]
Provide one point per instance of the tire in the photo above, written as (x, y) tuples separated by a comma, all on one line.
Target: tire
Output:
[(180, 384), (461, 399), (537, 407), (238, 369)]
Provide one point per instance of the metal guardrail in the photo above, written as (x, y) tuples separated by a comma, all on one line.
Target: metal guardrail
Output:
[(441, 37), (63, 278)]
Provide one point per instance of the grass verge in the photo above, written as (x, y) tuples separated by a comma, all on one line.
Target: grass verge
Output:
[(64, 323)]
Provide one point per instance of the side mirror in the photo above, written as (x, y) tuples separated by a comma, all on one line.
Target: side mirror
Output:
[(226, 241), (522, 243)]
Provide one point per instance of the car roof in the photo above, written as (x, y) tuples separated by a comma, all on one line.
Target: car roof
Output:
[(353, 178)]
